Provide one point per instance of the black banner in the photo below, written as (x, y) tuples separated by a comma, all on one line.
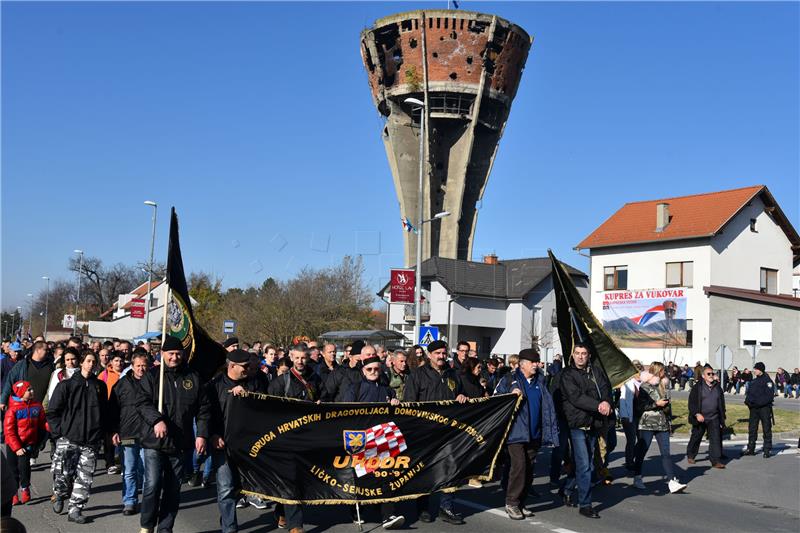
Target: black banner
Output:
[(577, 323), (301, 452), (204, 354)]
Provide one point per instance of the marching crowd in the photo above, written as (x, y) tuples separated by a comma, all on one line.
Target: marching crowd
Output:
[(84, 398)]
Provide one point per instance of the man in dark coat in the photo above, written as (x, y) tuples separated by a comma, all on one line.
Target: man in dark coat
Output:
[(78, 416), (534, 424), (435, 382), (758, 399), (300, 383), (236, 379), (706, 414), (167, 435), (371, 390), (338, 381), (327, 362), (587, 405), (127, 428), (36, 369)]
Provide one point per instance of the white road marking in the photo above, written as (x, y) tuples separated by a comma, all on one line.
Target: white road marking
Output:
[(563, 530), (499, 512)]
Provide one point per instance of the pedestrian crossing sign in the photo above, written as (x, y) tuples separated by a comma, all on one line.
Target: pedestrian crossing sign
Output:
[(428, 334)]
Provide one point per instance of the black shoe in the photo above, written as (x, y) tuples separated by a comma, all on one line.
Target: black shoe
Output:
[(748, 452), (196, 479), (129, 510), (588, 512), (58, 506), (566, 498), (450, 517), (77, 517), (205, 483), (767, 454), (425, 516)]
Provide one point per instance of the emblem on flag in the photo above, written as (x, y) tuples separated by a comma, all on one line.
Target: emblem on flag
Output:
[(381, 441)]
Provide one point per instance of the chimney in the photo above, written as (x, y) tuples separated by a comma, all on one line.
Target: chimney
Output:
[(662, 216), (490, 259)]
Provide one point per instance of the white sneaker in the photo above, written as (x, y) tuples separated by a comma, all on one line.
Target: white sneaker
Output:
[(393, 522), (675, 485), (638, 483)]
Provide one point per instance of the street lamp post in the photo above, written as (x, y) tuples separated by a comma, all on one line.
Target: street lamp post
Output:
[(150, 267), (78, 298), (418, 286), (46, 304), (14, 320), (30, 315)]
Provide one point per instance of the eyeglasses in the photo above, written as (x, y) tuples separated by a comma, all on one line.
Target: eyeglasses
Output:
[(372, 369), (709, 374)]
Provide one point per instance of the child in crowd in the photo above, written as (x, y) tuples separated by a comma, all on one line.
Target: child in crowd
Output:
[(24, 427)]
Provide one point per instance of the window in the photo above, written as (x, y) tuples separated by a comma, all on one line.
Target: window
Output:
[(689, 331), (680, 274), (616, 278), (753, 225), (769, 281), (755, 333)]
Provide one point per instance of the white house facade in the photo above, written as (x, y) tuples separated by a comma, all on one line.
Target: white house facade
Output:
[(686, 249)]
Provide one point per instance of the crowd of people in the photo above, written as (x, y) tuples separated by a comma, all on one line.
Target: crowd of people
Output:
[(106, 396)]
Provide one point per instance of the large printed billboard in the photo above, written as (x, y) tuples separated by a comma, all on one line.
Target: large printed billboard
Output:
[(651, 318)]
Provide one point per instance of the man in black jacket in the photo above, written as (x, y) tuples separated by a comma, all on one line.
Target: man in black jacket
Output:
[(435, 382), (78, 417), (167, 435), (338, 382), (759, 398), (587, 403), (127, 428), (301, 383), (234, 381), (706, 413)]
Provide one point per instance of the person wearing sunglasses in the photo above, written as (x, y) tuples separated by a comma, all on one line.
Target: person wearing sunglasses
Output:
[(706, 414), (371, 389)]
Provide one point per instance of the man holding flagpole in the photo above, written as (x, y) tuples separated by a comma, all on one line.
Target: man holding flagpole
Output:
[(168, 434)]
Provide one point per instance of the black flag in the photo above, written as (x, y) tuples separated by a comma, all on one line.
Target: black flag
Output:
[(205, 355), (577, 323)]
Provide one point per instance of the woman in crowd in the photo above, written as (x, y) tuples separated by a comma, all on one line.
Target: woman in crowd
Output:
[(66, 367), (652, 402), (470, 375)]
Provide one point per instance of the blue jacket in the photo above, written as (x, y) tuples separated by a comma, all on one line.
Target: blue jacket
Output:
[(520, 431)]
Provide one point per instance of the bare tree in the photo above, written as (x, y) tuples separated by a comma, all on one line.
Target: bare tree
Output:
[(102, 285)]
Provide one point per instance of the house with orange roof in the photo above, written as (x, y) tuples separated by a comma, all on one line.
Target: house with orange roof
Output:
[(674, 279)]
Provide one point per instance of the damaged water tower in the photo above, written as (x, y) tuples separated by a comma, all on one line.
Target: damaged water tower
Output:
[(465, 67)]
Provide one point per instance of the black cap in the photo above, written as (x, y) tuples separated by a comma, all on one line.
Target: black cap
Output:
[(436, 345), (370, 360), (230, 342), (760, 366), (530, 354), (171, 343), (357, 346), (239, 356)]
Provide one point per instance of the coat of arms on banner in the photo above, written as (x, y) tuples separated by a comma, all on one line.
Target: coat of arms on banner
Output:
[(354, 441)]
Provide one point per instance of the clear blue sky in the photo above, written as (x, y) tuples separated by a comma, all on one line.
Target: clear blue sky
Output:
[(256, 122)]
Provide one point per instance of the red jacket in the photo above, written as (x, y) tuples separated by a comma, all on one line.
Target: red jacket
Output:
[(24, 423)]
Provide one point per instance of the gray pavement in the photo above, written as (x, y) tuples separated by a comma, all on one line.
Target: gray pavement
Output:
[(752, 494)]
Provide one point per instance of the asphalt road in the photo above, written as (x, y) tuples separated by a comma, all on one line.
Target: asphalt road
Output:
[(752, 494)]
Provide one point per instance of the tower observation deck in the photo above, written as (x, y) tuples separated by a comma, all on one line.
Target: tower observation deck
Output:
[(466, 68)]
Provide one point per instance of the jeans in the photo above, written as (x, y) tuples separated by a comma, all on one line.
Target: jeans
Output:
[(643, 444), (161, 496), (202, 462), (583, 444), (629, 427), (559, 453), (445, 502), (738, 386), (226, 492), (133, 473)]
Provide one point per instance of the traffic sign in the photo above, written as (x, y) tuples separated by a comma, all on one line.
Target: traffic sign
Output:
[(428, 334), (137, 308), (68, 322), (229, 327), (724, 358)]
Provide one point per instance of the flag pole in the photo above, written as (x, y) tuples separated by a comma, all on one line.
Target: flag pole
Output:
[(163, 339)]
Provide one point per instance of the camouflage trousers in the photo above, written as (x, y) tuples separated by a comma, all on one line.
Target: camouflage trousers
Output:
[(73, 472)]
